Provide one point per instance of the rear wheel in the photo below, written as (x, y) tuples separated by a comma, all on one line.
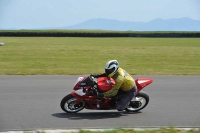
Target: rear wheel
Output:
[(139, 102), (69, 105)]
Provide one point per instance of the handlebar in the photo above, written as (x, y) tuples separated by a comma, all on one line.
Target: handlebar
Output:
[(91, 76)]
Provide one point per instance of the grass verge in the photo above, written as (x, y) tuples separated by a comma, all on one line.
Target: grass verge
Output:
[(161, 130), (65, 55)]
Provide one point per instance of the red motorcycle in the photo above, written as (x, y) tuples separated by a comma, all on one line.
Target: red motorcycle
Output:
[(84, 96)]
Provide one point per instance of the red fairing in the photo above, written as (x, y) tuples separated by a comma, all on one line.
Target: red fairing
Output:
[(105, 83), (76, 87), (142, 82)]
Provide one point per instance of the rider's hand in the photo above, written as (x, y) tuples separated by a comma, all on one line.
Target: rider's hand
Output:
[(95, 75)]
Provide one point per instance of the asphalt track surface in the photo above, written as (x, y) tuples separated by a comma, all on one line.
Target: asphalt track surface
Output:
[(33, 102)]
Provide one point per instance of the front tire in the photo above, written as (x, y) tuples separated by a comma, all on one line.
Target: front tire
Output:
[(139, 102), (69, 105)]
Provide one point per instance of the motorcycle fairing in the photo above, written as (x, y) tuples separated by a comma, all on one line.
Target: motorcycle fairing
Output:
[(93, 101), (80, 92), (142, 82), (79, 79)]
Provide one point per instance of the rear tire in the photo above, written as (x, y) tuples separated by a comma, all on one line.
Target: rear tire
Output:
[(139, 102), (69, 105)]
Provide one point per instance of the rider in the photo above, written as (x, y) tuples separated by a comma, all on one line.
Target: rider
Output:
[(123, 82)]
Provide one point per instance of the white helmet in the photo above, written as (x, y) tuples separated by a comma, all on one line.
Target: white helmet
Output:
[(111, 67)]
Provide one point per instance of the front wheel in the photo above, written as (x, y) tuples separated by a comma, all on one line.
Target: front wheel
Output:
[(139, 102), (69, 105)]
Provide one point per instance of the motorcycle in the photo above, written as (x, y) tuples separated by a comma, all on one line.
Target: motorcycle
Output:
[(84, 95)]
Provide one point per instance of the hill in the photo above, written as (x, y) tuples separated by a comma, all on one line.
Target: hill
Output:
[(180, 24)]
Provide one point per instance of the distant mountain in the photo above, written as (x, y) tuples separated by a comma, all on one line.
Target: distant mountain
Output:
[(179, 24)]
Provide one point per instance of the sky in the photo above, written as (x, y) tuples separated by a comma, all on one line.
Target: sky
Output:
[(30, 14)]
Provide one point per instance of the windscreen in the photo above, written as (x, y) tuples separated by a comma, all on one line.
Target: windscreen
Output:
[(87, 82)]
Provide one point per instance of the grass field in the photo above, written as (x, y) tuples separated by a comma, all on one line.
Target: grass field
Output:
[(64, 55)]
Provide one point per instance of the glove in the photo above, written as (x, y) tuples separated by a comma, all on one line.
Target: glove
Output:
[(95, 75)]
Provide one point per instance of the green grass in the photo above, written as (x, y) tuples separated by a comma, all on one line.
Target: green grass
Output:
[(162, 130), (65, 55)]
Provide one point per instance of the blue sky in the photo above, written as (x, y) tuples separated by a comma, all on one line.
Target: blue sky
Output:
[(23, 14)]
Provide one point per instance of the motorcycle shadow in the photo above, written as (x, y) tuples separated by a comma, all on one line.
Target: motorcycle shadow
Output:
[(92, 115)]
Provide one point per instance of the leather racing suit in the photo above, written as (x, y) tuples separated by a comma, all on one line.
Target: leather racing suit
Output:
[(123, 82)]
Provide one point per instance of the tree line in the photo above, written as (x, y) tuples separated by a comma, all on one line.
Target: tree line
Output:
[(99, 34)]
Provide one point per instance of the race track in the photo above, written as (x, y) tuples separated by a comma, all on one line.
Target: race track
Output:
[(33, 102)]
